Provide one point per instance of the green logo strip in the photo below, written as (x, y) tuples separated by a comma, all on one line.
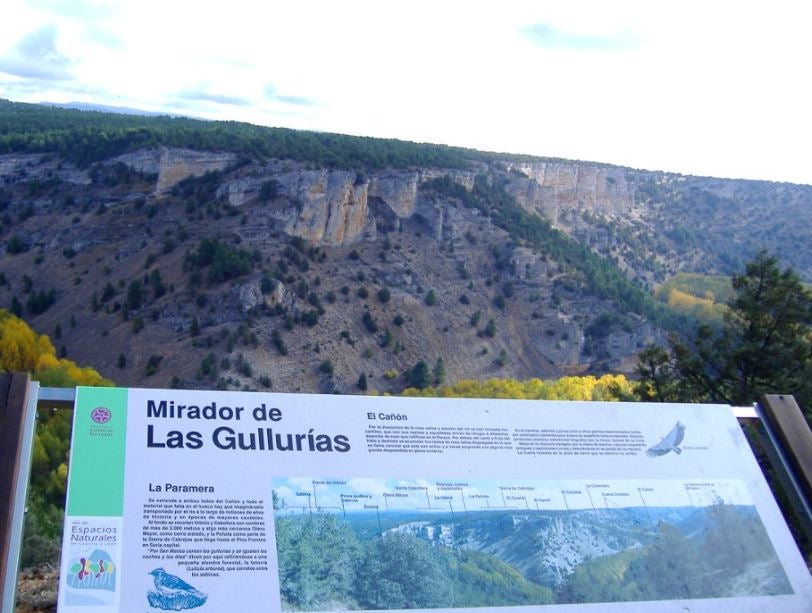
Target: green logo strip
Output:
[(96, 481)]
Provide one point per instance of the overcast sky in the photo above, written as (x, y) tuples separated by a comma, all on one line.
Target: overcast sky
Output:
[(712, 88)]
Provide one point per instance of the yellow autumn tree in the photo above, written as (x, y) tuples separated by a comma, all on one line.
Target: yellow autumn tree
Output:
[(604, 388), (22, 349)]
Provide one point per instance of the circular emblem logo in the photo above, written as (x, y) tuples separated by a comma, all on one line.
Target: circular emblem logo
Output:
[(101, 415)]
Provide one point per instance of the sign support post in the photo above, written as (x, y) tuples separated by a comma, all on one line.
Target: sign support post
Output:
[(18, 408)]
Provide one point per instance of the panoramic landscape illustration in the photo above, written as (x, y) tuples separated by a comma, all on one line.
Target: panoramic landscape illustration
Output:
[(394, 544)]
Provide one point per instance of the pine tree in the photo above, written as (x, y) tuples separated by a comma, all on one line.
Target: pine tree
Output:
[(764, 346), (438, 372)]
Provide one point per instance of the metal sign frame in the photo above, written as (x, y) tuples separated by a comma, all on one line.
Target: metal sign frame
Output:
[(787, 438)]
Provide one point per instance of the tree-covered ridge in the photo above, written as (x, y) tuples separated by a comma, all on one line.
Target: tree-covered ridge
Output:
[(84, 137), (597, 275)]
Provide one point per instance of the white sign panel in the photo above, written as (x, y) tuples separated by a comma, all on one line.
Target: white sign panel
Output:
[(229, 501)]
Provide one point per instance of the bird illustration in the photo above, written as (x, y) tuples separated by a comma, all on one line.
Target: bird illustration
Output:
[(173, 593), (669, 443)]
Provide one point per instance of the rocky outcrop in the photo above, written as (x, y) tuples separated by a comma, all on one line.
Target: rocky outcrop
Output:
[(250, 294), (398, 189), (553, 188), (561, 340), (329, 206), (27, 167), (174, 165)]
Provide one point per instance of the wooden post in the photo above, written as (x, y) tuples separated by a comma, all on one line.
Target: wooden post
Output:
[(13, 404), (787, 422), (790, 450)]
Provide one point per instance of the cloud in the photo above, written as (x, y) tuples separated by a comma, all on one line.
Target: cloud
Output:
[(202, 94), (35, 56), (549, 37), (272, 95), (104, 37), (76, 9)]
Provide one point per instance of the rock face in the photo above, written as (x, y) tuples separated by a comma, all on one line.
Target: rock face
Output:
[(250, 296), (24, 167), (398, 189), (330, 206), (174, 165), (554, 188)]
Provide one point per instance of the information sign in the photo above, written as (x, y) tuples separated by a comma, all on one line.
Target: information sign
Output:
[(238, 501)]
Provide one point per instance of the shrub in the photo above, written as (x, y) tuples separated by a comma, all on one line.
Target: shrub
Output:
[(152, 364), (278, 342), (15, 245), (384, 295), (326, 367), (369, 322)]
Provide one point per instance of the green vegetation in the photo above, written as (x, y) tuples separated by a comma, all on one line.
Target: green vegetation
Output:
[(327, 562), (324, 564), (764, 346), (605, 388), (23, 350), (674, 565), (595, 274), (420, 376), (15, 245), (87, 137), (701, 297), (327, 367), (223, 261)]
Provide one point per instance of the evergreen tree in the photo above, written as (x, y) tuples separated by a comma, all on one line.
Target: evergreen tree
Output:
[(419, 375), (764, 346), (135, 295), (438, 372)]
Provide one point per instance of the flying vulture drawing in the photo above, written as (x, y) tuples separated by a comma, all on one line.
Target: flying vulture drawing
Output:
[(669, 443)]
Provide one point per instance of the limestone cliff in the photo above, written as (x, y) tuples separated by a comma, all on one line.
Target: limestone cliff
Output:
[(174, 165), (555, 189), (329, 206)]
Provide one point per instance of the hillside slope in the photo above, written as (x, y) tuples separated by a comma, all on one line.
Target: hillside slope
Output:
[(173, 252)]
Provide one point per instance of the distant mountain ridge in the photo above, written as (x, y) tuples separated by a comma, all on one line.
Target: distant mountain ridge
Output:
[(106, 108)]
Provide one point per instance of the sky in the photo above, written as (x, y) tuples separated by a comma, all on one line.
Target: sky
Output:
[(710, 88)]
